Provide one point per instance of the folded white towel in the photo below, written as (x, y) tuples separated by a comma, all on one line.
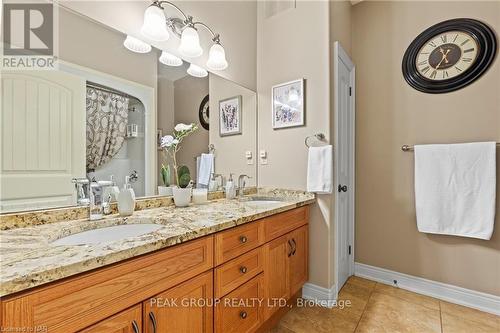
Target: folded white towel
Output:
[(206, 168), (320, 169), (455, 188)]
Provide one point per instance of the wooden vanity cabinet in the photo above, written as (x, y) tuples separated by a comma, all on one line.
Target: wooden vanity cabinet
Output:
[(264, 260)]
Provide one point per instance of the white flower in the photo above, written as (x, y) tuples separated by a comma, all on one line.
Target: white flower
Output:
[(167, 141), (183, 127)]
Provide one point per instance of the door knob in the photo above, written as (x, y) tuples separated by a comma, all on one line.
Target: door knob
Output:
[(342, 188)]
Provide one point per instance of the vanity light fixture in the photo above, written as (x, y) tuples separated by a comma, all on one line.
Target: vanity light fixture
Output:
[(196, 71), (155, 28), (169, 59), (136, 45)]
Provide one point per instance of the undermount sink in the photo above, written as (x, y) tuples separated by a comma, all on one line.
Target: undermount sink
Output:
[(261, 201), (107, 234)]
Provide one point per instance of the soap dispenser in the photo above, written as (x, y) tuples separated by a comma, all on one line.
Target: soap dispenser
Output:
[(230, 188), (126, 199)]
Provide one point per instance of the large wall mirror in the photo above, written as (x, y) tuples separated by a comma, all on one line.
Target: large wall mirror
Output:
[(101, 116)]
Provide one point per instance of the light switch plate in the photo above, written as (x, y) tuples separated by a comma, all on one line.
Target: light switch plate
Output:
[(249, 157), (263, 157)]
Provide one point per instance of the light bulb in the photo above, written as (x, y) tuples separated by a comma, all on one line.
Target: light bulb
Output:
[(217, 58), (196, 71), (190, 43), (169, 59), (154, 26), (136, 45)]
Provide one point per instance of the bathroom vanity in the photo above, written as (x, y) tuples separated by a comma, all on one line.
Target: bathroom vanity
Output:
[(227, 266)]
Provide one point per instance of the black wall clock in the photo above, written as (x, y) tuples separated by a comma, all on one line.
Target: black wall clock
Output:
[(449, 55), (204, 113)]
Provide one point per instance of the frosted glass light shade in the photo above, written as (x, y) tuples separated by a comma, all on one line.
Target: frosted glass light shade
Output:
[(190, 43), (154, 26), (196, 71), (169, 59), (136, 45), (217, 58)]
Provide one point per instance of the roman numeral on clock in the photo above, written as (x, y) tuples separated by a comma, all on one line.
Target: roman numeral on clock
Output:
[(444, 38), (464, 42), (466, 59), (433, 74), (426, 69), (432, 44), (469, 50), (423, 62)]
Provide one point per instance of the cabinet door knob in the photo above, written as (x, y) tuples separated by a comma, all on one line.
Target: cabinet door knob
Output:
[(243, 314), (135, 327), (243, 239), (243, 269), (152, 318)]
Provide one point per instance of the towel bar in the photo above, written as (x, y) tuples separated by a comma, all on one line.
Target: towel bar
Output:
[(411, 148)]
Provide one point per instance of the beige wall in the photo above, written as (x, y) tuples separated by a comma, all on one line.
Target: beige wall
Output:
[(188, 94), (230, 150), (165, 113), (98, 47), (389, 114), (293, 44), (234, 20)]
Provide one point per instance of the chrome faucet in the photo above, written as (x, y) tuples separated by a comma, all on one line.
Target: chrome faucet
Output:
[(241, 184)]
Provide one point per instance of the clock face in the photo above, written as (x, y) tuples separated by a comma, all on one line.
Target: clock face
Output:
[(204, 113), (447, 55)]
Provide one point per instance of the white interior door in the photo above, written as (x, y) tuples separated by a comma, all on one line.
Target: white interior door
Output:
[(344, 163), (43, 138)]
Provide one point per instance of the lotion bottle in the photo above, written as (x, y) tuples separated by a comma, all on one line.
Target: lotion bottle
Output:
[(230, 188), (126, 199)]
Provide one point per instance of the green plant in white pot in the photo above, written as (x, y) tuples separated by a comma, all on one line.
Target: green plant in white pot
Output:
[(171, 144), (166, 177)]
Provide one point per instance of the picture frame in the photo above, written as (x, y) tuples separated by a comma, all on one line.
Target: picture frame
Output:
[(288, 104), (230, 116)]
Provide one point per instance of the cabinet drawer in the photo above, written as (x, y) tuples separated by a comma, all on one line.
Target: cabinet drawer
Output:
[(283, 223), (240, 311), (231, 243), (234, 273), (78, 302)]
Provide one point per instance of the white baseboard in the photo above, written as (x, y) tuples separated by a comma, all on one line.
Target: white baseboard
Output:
[(447, 292), (321, 296)]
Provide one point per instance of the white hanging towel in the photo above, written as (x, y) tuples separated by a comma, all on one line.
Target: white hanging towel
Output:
[(320, 169), (205, 169), (455, 188)]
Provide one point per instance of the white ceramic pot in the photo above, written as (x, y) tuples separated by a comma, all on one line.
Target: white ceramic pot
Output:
[(182, 196), (165, 190)]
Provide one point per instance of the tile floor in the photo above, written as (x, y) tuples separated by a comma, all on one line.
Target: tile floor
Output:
[(380, 308)]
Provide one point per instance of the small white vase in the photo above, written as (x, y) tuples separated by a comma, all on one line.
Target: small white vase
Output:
[(182, 196), (165, 190)]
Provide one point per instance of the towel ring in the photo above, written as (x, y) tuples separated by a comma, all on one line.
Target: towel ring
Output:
[(317, 136)]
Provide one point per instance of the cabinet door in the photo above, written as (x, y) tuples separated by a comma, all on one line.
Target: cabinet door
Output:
[(127, 321), (298, 269), (276, 271), (185, 308)]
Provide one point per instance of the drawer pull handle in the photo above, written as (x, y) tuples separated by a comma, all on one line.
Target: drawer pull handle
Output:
[(291, 248), (243, 314), (294, 247), (243, 269), (243, 239), (135, 326), (153, 320)]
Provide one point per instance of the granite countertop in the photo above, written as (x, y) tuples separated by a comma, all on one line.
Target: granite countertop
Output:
[(28, 258)]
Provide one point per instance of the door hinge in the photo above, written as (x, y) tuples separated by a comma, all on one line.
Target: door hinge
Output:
[(350, 91), (349, 249)]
